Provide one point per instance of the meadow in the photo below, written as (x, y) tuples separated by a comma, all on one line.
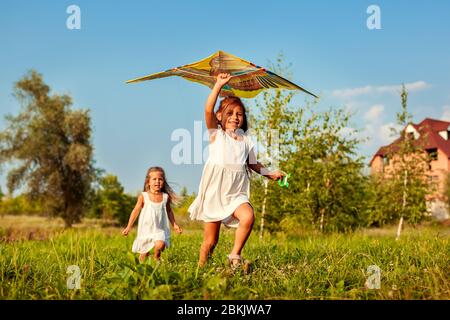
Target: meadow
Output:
[(36, 254)]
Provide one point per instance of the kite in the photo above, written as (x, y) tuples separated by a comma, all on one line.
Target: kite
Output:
[(247, 81)]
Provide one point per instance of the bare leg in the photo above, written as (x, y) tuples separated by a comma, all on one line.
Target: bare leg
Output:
[(159, 247), (142, 256), (244, 213), (210, 238)]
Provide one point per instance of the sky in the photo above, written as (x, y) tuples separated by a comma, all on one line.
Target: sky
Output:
[(332, 50)]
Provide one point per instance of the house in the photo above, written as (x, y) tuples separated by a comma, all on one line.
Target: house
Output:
[(433, 136)]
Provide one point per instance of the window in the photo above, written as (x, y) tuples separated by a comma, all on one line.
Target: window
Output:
[(385, 163), (432, 154)]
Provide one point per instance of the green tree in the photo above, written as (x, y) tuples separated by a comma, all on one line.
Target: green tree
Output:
[(183, 192), (327, 189), (21, 205), (404, 187), (271, 120), (111, 202), (50, 143), (381, 210), (319, 150), (327, 185)]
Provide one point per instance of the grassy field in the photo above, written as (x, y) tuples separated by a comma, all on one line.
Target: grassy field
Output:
[(34, 263)]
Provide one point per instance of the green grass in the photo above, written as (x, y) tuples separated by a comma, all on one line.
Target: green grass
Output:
[(307, 267)]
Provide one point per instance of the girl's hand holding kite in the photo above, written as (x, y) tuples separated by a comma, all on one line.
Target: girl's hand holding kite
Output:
[(222, 79), (276, 175), (260, 169)]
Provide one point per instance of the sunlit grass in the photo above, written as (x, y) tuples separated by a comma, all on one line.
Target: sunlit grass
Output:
[(309, 267)]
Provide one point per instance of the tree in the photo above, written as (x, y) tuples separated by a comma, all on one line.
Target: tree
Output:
[(111, 202), (20, 205), (50, 143), (271, 122), (409, 170), (319, 150), (327, 190), (381, 209), (182, 205), (183, 192), (400, 193)]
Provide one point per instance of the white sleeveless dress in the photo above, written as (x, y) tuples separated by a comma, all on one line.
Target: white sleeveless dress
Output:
[(153, 225), (225, 183)]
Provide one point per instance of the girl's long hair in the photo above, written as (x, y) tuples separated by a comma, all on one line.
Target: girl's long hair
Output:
[(173, 198), (224, 104)]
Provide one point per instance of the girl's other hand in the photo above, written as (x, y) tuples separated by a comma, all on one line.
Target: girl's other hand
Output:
[(223, 79), (177, 228), (125, 231), (276, 175)]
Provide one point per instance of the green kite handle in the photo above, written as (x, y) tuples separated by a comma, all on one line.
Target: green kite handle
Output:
[(283, 182)]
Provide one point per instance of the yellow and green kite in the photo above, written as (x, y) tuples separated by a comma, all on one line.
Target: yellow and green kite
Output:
[(247, 79)]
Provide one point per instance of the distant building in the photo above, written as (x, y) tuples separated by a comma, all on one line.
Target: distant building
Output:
[(434, 137)]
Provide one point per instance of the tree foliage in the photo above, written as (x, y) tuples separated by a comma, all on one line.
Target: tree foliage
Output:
[(319, 150), (271, 120), (400, 193), (21, 205), (327, 186), (110, 202), (50, 144)]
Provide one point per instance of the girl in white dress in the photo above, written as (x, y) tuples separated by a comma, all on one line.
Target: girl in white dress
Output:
[(223, 195), (155, 212)]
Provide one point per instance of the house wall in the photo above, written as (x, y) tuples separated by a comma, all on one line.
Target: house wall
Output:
[(377, 165), (437, 171)]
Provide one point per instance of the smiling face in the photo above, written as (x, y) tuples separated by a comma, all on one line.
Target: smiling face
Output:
[(156, 181), (232, 117)]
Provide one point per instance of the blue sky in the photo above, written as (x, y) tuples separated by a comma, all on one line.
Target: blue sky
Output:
[(332, 52)]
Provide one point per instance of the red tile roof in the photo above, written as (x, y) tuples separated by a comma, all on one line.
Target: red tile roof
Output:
[(429, 138)]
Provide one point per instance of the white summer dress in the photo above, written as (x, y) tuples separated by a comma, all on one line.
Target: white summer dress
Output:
[(153, 225), (225, 183)]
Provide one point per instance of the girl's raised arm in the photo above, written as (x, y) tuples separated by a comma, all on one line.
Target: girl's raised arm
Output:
[(210, 117), (134, 214)]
